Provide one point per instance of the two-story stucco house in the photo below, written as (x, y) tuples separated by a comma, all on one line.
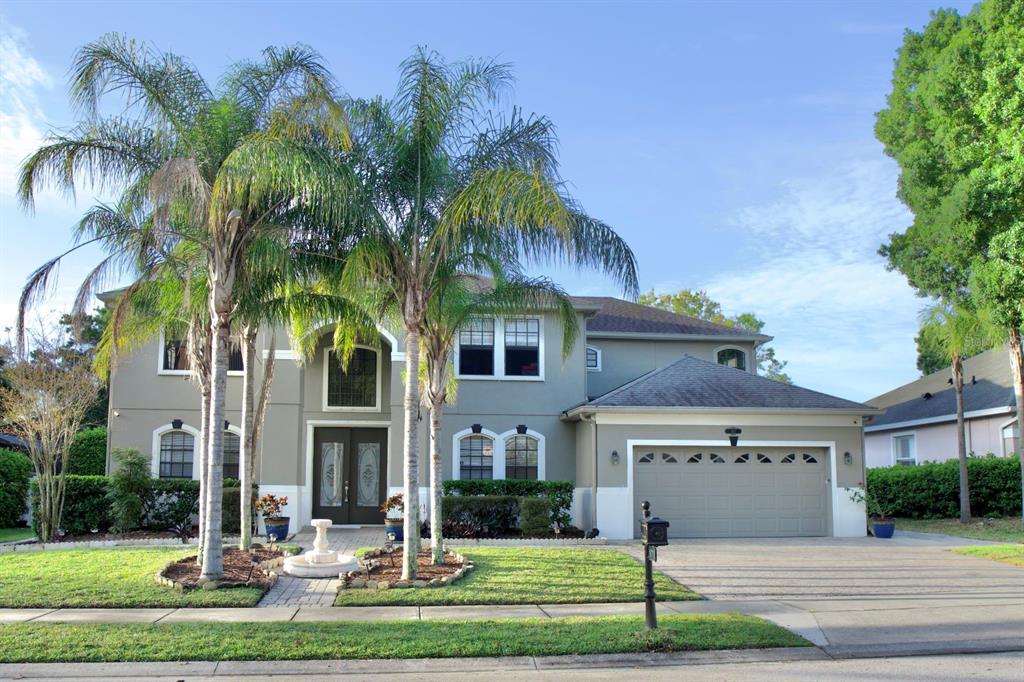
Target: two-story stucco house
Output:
[(641, 409)]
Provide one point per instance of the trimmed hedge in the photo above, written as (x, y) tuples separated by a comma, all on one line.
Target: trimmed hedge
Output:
[(488, 515), (15, 472), (558, 493), (932, 490), (534, 515), (88, 453), (168, 504)]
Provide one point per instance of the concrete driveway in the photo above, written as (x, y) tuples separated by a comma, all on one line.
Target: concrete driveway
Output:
[(862, 595)]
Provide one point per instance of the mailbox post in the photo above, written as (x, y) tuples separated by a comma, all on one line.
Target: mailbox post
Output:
[(653, 534)]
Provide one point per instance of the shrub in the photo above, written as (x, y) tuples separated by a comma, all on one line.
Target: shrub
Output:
[(85, 505), (558, 493), (534, 515), (128, 489), (15, 472), (169, 504), (493, 514), (932, 490), (88, 453)]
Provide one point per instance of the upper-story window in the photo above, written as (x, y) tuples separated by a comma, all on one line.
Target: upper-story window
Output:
[(732, 357), (501, 348), (476, 348), (522, 347), (593, 359), (904, 449), (1011, 438), (355, 386), (174, 356)]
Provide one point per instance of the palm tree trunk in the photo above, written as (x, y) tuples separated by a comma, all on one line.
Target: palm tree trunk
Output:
[(213, 551), (411, 542), (245, 449), (204, 433), (1017, 363), (961, 439), (436, 539)]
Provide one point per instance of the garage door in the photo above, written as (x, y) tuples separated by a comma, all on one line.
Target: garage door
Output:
[(735, 492)]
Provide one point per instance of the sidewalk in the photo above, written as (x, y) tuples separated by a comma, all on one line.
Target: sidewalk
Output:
[(793, 619)]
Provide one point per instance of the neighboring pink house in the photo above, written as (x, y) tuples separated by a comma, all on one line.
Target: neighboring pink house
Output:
[(919, 423)]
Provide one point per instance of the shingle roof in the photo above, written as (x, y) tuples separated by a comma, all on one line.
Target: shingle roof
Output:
[(692, 382), (616, 315), (983, 395)]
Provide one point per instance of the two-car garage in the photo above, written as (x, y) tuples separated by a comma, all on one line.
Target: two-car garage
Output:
[(735, 491)]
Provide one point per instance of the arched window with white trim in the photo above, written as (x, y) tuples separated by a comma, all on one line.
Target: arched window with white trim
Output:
[(355, 386), (232, 449), (593, 359), (476, 457), (521, 457), (732, 356), (177, 450)]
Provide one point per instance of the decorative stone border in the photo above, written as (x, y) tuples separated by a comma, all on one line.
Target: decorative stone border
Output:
[(266, 566), (356, 580)]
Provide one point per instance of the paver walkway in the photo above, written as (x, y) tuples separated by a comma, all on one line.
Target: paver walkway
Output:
[(301, 592)]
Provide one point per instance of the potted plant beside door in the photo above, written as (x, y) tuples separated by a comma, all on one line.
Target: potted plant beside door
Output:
[(883, 525), (394, 516), (270, 506)]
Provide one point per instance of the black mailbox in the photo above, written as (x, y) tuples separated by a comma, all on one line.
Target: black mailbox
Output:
[(654, 532)]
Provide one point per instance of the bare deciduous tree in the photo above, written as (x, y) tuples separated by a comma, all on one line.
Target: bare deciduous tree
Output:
[(47, 398)]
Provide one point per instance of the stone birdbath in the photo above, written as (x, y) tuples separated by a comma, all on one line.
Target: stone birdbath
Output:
[(321, 561)]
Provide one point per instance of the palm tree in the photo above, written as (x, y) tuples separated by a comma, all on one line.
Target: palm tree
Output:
[(440, 179), (458, 298), (247, 160), (959, 328)]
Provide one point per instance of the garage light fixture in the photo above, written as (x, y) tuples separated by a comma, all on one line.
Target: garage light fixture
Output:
[(734, 435), (615, 456)]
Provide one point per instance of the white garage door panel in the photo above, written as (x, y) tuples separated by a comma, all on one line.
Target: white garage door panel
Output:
[(735, 492)]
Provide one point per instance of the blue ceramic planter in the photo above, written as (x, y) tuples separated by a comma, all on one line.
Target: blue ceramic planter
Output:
[(883, 529), (278, 528), (394, 527)]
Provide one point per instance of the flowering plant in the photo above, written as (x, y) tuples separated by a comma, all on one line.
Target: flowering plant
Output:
[(271, 505), (393, 506)]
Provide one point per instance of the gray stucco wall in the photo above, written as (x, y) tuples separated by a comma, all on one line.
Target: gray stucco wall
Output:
[(623, 360)]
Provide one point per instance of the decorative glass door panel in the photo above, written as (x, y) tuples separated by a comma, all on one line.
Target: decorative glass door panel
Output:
[(332, 475), (369, 475)]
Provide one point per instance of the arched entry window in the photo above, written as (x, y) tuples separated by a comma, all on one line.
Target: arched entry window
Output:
[(355, 386)]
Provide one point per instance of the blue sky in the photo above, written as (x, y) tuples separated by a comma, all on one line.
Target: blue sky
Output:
[(730, 143)]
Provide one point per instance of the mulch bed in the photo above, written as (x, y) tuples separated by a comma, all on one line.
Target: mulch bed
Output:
[(241, 569), (383, 570)]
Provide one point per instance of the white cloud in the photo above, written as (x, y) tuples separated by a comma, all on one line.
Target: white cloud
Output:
[(845, 324), (20, 78)]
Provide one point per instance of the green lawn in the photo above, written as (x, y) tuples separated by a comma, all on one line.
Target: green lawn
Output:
[(532, 576), (1000, 530), (12, 534), (1008, 554), (103, 577), (37, 642)]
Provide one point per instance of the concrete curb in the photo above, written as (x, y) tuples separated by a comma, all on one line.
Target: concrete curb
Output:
[(408, 665)]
